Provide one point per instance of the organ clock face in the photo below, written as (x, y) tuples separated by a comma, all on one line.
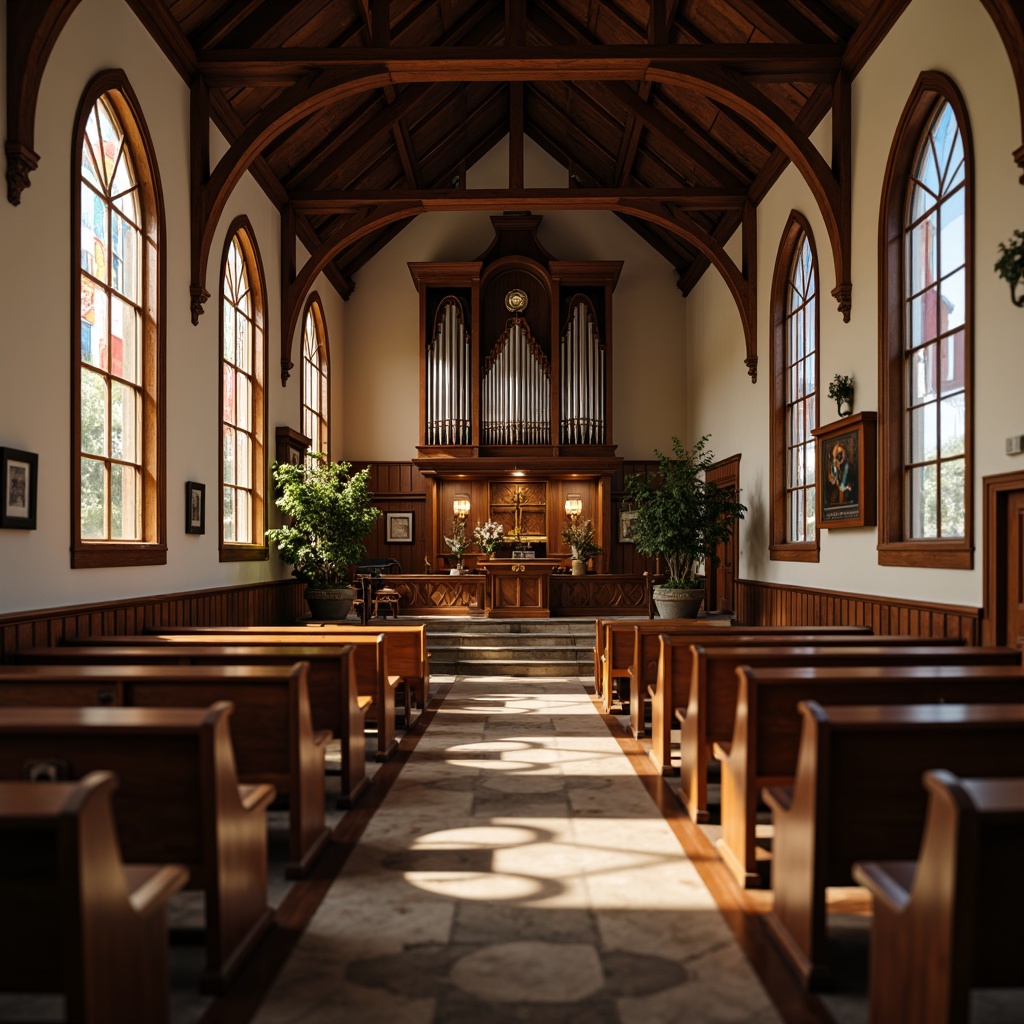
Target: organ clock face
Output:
[(516, 300)]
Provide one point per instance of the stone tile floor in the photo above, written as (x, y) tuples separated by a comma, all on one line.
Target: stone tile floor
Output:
[(517, 871)]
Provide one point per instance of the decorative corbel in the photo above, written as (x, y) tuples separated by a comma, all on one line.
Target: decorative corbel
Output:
[(21, 162)]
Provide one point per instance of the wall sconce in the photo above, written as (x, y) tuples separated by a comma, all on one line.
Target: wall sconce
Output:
[(460, 506), (573, 505)]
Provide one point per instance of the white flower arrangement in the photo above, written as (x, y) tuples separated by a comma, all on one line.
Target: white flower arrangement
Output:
[(488, 536), (457, 542)]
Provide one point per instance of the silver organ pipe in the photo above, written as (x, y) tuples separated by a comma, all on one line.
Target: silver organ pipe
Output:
[(516, 390), (448, 376), (583, 377)]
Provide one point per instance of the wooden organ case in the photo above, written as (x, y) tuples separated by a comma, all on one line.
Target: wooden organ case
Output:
[(516, 386)]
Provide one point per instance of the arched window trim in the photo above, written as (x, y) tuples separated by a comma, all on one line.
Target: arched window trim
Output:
[(894, 548), (152, 549), (315, 306), (256, 550), (781, 549)]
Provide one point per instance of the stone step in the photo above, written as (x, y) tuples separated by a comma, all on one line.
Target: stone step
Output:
[(509, 640), (538, 669), (493, 652)]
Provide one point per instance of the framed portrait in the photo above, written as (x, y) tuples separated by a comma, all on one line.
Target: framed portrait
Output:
[(846, 477), (19, 471), (398, 528), (626, 517), (195, 507)]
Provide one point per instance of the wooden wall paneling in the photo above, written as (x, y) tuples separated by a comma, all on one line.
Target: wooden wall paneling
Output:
[(766, 604)]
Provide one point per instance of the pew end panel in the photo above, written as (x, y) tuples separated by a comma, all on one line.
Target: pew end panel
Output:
[(77, 920)]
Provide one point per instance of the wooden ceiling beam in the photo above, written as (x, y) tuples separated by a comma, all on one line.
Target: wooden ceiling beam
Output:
[(631, 62), (778, 18), (330, 202), (222, 24)]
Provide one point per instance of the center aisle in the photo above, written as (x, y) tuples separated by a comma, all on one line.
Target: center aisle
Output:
[(517, 871)]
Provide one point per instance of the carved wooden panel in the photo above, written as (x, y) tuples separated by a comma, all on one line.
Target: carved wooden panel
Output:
[(440, 595), (597, 594)]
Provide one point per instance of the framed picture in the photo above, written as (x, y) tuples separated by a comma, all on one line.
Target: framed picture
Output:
[(399, 528), (19, 471), (195, 507), (846, 479), (626, 517)]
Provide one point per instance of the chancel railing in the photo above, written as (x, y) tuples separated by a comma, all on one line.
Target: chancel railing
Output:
[(516, 389), (449, 381), (582, 364)]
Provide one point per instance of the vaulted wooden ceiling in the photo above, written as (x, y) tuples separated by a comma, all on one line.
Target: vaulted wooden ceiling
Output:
[(578, 77)]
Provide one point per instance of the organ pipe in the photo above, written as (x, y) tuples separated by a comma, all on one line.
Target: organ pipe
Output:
[(449, 387), (582, 388), (516, 390)]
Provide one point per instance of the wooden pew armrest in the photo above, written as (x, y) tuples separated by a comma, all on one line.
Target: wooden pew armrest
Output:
[(322, 737), (680, 714), (721, 749), (652, 690), (778, 798), (395, 681), (365, 700), (888, 881), (150, 886), (256, 796)]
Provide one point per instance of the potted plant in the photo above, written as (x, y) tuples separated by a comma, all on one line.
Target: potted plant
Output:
[(579, 535), (488, 536), (841, 391), (330, 515), (1010, 265), (457, 544), (682, 518)]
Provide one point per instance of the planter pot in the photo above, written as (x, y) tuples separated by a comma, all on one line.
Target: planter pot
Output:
[(458, 571), (845, 406), (579, 567), (677, 602), (329, 602)]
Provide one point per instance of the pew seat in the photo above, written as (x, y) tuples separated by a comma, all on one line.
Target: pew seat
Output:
[(949, 921), (76, 919), (179, 802), (766, 730), (857, 796), (335, 702), (271, 728)]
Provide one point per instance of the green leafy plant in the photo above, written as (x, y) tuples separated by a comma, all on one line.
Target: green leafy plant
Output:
[(331, 514), (1010, 265), (681, 517), (840, 390), (579, 535)]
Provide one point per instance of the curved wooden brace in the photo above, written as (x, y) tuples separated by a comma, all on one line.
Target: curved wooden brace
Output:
[(742, 287), (832, 194), (1008, 16), (731, 90), (32, 30)]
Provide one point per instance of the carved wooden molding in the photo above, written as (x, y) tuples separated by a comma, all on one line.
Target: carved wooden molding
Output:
[(1009, 18)]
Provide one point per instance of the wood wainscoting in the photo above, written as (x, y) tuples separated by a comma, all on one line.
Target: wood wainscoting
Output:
[(775, 604), (255, 604)]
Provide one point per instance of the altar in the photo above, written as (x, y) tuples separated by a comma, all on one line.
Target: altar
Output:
[(519, 588)]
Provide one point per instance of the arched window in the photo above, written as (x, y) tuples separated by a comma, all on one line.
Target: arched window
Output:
[(926, 361), (243, 418), (118, 466), (794, 395), (315, 404)]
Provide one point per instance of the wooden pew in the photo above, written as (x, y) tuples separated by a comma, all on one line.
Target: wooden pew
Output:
[(369, 656), (179, 802), (949, 921), (673, 668), (615, 655), (711, 710), (76, 919), (766, 733), (271, 729), (858, 797), (407, 653), (335, 702), (643, 672)]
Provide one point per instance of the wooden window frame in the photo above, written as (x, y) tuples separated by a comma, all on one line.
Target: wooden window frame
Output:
[(894, 547), (315, 306), (781, 548), (248, 551), (152, 549)]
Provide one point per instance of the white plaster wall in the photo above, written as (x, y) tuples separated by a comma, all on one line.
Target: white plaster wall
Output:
[(958, 38), (381, 320), (35, 294)]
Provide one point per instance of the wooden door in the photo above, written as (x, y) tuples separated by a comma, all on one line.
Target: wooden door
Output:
[(1003, 547), (722, 578), (1014, 562)]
